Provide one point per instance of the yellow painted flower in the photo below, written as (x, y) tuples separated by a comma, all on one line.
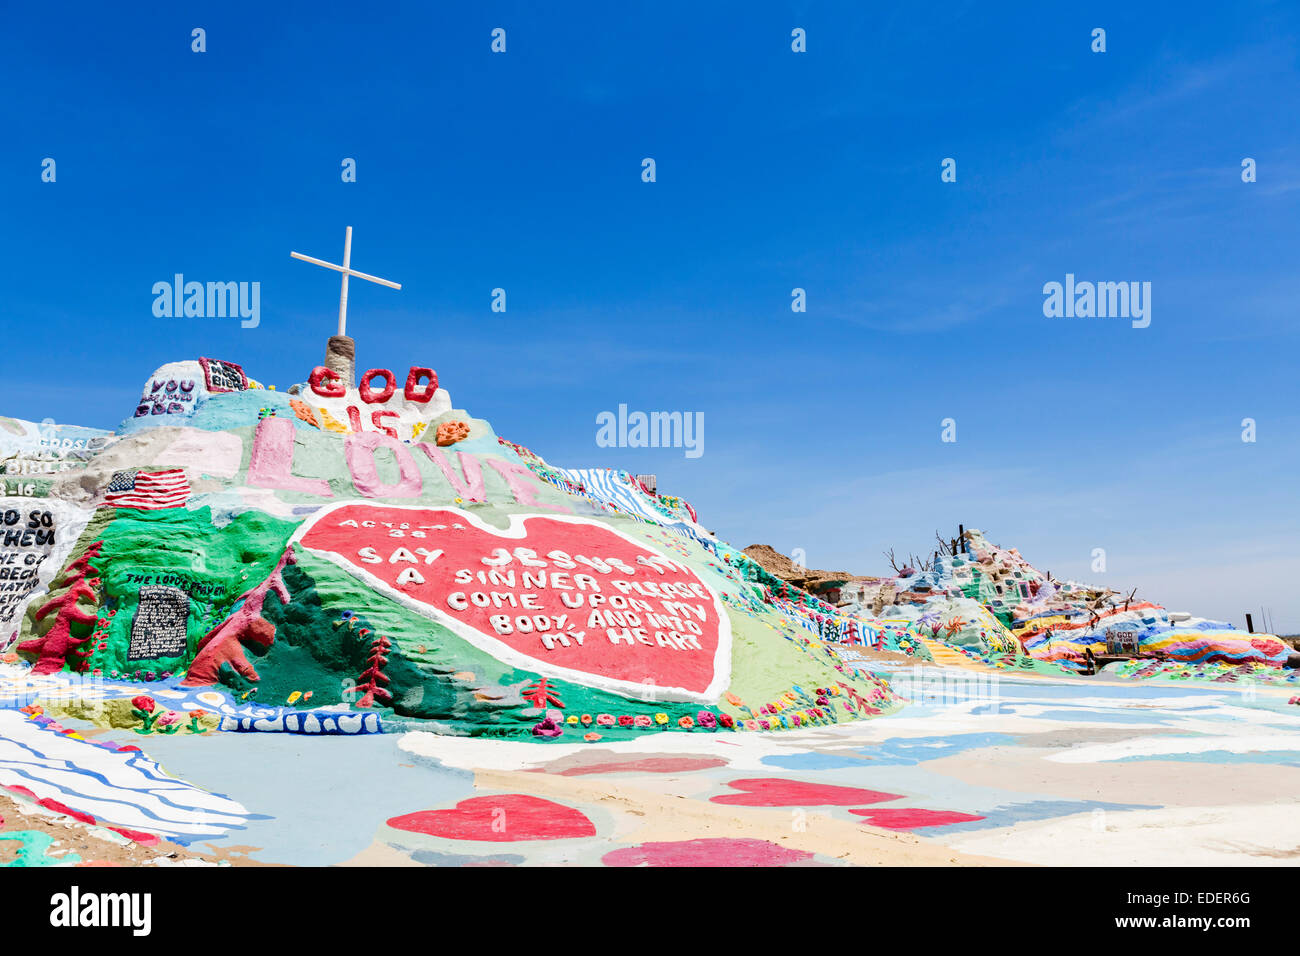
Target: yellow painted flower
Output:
[(661, 718)]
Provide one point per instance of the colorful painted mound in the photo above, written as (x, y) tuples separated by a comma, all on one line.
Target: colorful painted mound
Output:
[(1058, 621), (338, 559), (994, 606)]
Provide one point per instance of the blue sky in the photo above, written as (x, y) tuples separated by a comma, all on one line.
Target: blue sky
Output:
[(775, 170)]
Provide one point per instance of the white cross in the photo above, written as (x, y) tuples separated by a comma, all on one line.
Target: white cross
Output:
[(347, 270)]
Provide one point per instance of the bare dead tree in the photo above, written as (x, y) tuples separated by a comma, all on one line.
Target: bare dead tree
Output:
[(949, 546), (912, 564), (1103, 599)]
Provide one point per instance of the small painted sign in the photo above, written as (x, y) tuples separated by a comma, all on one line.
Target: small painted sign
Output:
[(158, 628), (223, 376)]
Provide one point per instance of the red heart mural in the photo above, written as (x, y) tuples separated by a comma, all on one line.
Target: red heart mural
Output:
[(908, 818), (565, 596), (504, 819), (708, 851), (779, 792)]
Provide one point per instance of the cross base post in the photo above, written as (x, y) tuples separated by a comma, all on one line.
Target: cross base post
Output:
[(341, 358)]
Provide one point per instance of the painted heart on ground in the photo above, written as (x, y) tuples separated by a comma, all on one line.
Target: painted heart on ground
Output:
[(709, 851), (564, 596), (508, 818), (908, 818), (776, 792), (641, 765)]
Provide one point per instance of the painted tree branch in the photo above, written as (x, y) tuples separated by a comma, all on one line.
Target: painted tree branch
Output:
[(372, 677), (541, 694), (224, 644), (56, 644)]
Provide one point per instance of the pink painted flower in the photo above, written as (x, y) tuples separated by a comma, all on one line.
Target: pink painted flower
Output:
[(605, 720), (167, 719), (706, 720), (643, 720), (547, 728)]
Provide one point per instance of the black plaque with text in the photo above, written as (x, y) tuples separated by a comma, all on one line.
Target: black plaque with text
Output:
[(158, 629)]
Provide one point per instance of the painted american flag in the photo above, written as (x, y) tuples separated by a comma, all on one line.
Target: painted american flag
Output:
[(148, 489)]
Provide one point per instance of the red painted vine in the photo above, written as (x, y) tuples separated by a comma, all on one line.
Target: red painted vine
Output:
[(57, 644)]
